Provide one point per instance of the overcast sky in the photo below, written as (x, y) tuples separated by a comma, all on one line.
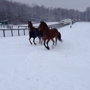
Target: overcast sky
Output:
[(80, 5)]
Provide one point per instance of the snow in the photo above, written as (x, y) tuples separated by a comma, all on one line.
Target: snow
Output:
[(65, 66)]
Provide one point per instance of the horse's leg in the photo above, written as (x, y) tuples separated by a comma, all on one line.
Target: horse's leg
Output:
[(56, 41), (53, 41), (30, 37), (56, 37), (44, 43), (47, 44), (30, 40), (40, 40), (34, 41)]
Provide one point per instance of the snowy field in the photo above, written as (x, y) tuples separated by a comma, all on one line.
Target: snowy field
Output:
[(65, 67)]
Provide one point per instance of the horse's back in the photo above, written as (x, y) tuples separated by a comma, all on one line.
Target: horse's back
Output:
[(33, 33), (54, 30)]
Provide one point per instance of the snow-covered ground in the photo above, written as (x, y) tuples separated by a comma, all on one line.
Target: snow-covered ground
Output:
[(32, 67)]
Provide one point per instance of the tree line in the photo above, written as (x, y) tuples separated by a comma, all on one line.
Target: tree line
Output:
[(17, 13)]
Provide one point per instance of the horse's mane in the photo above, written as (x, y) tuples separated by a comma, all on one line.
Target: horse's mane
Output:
[(42, 22)]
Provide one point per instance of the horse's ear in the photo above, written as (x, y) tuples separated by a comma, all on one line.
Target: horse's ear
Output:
[(41, 21), (30, 21)]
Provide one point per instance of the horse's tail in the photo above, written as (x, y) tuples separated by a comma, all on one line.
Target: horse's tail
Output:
[(59, 37)]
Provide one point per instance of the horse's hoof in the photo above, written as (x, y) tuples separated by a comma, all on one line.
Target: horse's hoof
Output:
[(48, 48), (30, 43), (34, 43)]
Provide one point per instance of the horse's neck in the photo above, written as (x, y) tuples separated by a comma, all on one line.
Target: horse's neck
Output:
[(46, 30), (47, 27), (31, 28)]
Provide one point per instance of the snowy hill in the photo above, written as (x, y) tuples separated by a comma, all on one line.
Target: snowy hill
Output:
[(64, 67)]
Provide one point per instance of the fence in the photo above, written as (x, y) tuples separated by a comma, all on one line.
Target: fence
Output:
[(14, 31)]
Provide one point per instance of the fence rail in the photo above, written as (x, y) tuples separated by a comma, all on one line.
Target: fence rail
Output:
[(11, 30)]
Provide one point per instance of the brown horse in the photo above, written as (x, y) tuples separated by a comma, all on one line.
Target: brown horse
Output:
[(49, 34), (34, 32)]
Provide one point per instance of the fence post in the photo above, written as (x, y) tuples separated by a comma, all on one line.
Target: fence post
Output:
[(3, 32), (24, 31), (18, 27), (18, 32), (11, 32)]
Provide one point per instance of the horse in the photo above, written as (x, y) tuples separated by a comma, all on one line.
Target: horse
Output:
[(34, 32), (49, 34)]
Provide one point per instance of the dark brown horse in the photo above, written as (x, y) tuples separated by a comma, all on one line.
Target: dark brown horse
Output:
[(49, 34), (34, 32)]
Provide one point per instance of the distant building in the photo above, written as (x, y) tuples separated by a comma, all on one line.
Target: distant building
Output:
[(66, 21)]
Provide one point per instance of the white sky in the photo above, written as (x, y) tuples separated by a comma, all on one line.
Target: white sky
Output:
[(80, 5)]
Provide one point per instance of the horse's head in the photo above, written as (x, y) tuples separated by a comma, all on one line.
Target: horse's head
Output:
[(30, 25), (40, 27), (43, 26)]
